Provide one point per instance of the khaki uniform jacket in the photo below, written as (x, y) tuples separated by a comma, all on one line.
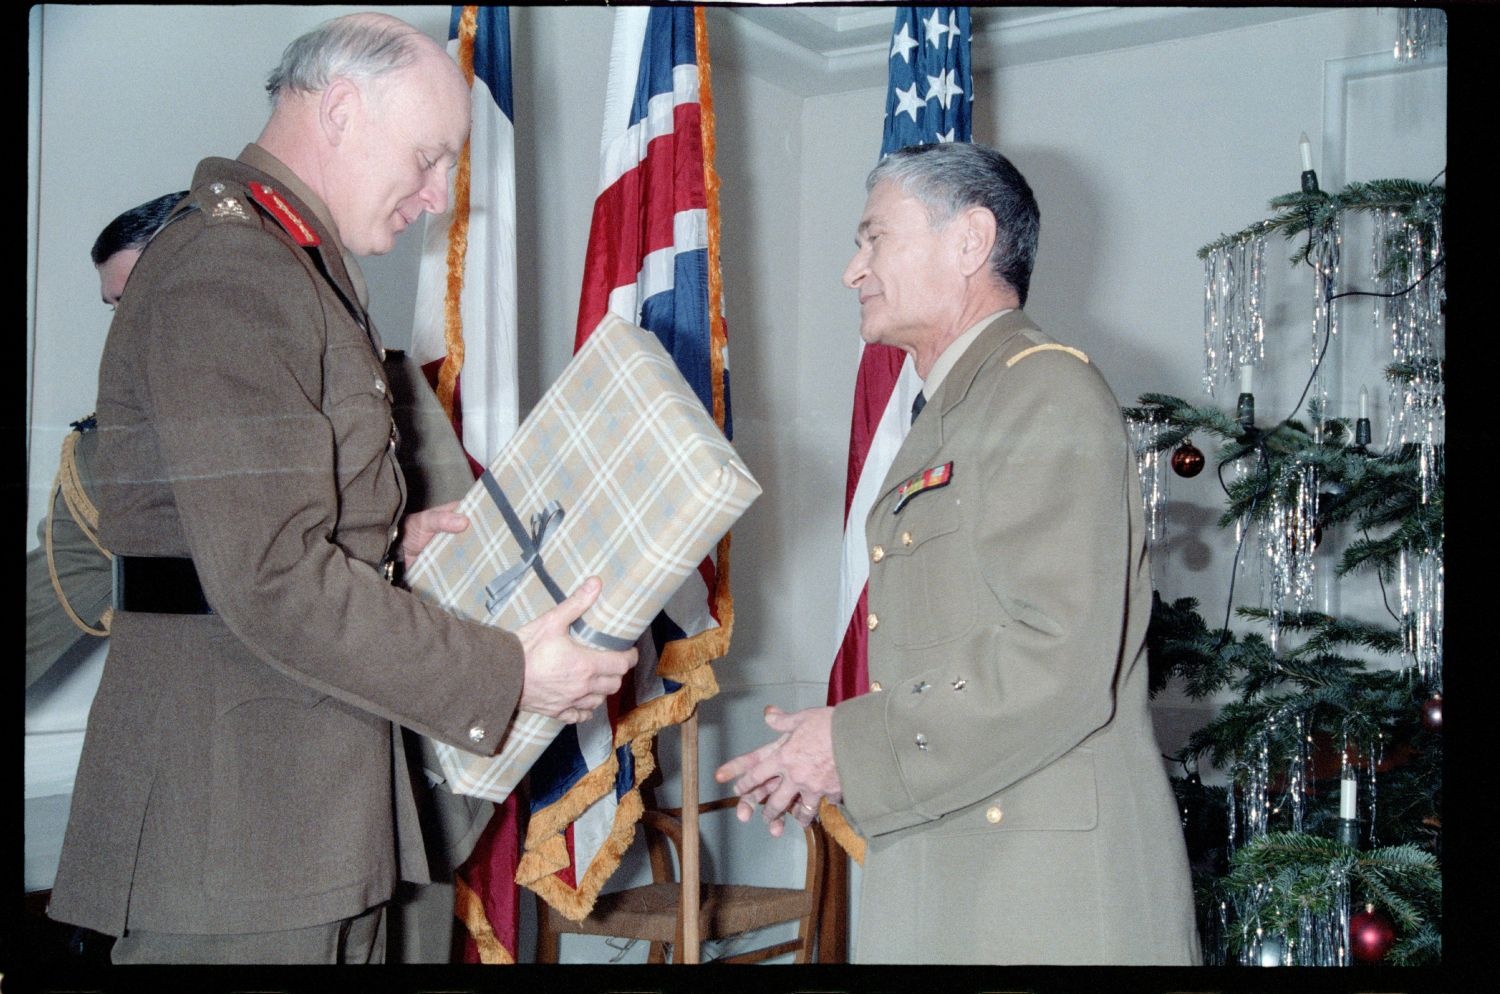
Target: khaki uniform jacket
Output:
[(240, 771), (1006, 774)]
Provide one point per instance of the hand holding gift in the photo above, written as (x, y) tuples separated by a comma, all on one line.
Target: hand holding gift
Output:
[(565, 679)]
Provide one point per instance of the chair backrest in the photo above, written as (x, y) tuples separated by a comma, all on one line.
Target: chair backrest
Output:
[(654, 912)]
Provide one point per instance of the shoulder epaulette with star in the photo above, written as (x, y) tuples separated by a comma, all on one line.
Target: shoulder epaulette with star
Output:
[(223, 202)]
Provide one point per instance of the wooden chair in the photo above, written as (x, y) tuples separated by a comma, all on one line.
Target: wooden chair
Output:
[(654, 912)]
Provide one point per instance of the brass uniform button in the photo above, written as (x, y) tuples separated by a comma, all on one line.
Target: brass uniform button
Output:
[(872, 622), (875, 687), (877, 553), (477, 733), (994, 814), (906, 539)]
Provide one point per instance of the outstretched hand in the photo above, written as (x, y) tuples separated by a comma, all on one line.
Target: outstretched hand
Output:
[(791, 774)]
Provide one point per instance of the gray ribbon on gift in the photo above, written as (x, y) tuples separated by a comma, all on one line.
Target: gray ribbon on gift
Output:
[(503, 587)]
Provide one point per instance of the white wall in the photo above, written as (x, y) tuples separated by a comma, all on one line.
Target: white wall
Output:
[(1138, 157)]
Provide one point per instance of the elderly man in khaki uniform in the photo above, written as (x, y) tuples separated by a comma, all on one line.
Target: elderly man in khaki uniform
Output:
[(1003, 768), (243, 795)]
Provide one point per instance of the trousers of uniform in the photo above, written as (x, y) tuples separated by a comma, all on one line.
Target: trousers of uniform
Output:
[(360, 939)]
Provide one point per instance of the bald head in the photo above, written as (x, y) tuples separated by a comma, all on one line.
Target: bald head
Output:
[(371, 114)]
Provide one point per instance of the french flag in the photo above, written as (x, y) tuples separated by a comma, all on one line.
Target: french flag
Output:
[(652, 260)]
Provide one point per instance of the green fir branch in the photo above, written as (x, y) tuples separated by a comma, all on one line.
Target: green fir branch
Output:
[(1422, 947), (1324, 634), (1298, 872), (1402, 880), (1419, 203)]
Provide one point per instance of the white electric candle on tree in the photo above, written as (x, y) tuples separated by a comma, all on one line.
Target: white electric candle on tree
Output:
[(1245, 374), (1348, 796), (1305, 147), (1364, 402)]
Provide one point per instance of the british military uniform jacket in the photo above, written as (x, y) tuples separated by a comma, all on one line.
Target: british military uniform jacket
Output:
[(240, 770), (1004, 769)]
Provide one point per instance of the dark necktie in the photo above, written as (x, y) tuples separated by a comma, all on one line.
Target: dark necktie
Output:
[(917, 405)]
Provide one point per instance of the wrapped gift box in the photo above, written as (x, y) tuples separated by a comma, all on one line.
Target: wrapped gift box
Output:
[(618, 472)]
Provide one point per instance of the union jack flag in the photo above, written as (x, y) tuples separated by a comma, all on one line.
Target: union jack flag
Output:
[(652, 259)]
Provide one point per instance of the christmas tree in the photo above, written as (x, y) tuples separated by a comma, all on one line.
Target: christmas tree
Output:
[(1323, 847)]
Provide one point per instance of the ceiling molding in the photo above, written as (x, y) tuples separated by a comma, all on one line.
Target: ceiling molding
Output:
[(818, 49)]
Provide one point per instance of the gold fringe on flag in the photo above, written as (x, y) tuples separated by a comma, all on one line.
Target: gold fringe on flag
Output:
[(840, 831), (470, 910), (467, 905), (458, 233), (684, 661), (718, 334)]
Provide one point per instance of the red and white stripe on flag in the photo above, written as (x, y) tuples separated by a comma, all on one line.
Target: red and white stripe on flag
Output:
[(652, 260), (929, 48)]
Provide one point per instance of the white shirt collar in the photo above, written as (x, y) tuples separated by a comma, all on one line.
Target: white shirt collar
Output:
[(955, 349)]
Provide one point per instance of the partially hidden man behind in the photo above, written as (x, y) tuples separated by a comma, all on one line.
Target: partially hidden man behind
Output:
[(242, 795), (1003, 767), (68, 584)]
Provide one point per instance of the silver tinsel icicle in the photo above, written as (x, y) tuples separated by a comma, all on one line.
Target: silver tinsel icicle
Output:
[(1421, 595), (1420, 29), (1413, 321), (1325, 251), (1152, 467), (1288, 539), (1409, 254), (1234, 329)]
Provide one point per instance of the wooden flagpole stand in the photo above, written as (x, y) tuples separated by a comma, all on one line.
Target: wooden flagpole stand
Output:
[(688, 951)]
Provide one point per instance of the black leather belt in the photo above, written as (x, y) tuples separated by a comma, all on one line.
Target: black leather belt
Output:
[(169, 584), (158, 585)]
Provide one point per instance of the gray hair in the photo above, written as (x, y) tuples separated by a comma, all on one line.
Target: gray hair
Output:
[(952, 176), (356, 46)]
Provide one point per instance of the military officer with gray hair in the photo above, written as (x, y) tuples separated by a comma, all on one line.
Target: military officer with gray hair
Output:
[(1002, 769), (243, 795)]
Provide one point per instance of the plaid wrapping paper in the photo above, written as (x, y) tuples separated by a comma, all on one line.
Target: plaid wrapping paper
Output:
[(618, 472)]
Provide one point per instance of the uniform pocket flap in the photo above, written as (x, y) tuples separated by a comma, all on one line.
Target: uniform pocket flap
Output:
[(1062, 797)]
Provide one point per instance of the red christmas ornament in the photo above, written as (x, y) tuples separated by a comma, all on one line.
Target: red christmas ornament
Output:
[(1371, 935), (1432, 713), (1187, 460)]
